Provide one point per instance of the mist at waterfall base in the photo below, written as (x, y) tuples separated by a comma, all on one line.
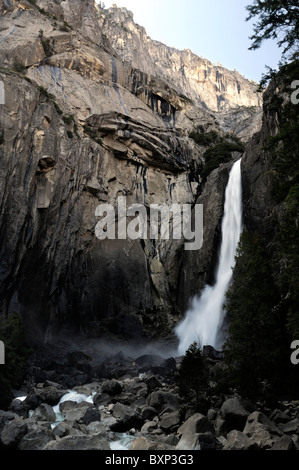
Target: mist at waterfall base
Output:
[(204, 320)]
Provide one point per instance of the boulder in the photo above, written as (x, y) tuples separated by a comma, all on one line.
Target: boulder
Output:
[(44, 412), (152, 383), (148, 427), (127, 418), (78, 412), (101, 399), (65, 429), (19, 407), (234, 414), (6, 416), (141, 443), (292, 427), (208, 441), (262, 430), (284, 443), (91, 414), (196, 424), (161, 400), (111, 387), (36, 439), (12, 432), (170, 421), (148, 412), (237, 440), (148, 360), (50, 395), (84, 442)]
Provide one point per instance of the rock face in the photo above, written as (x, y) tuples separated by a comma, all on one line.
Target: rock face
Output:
[(208, 85), (80, 128), (256, 164)]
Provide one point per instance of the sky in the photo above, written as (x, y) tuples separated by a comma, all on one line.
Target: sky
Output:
[(213, 29)]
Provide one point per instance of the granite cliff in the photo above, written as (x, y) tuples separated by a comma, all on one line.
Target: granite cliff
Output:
[(86, 120)]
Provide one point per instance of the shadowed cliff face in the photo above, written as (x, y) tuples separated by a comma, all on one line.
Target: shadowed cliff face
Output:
[(82, 128)]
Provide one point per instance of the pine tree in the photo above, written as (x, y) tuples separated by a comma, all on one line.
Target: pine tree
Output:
[(278, 20), (193, 377), (253, 349)]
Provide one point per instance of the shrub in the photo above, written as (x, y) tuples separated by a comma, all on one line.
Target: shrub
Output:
[(46, 43), (68, 119), (205, 138), (219, 153), (45, 93), (19, 67), (49, 98)]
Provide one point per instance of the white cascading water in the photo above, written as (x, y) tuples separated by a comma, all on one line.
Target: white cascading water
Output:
[(203, 321)]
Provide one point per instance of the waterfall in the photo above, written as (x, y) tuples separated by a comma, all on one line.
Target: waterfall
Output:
[(204, 320)]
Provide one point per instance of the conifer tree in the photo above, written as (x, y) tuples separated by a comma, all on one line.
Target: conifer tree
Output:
[(278, 20)]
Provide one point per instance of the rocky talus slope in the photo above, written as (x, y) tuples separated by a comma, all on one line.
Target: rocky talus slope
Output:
[(120, 401), (83, 125)]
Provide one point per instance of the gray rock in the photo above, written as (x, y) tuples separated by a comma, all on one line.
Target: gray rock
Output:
[(141, 443), (127, 418), (6, 416), (279, 416), (85, 442), (78, 412), (49, 395), (44, 412), (189, 431), (18, 407), (148, 412), (36, 439), (161, 400), (101, 399), (65, 429), (111, 387), (261, 430), (91, 414), (234, 414), (170, 421), (12, 432), (237, 440), (152, 383), (284, 443), (291, 427), (149, 427), (208, 441)]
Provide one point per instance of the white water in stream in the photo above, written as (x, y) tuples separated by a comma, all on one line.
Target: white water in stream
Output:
[(203, 321)]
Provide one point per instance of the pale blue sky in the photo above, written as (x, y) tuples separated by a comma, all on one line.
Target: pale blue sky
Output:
[(213, 29)]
